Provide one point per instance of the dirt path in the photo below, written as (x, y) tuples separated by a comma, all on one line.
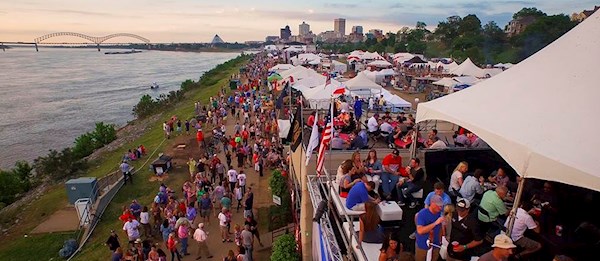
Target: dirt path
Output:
[(262, 197)]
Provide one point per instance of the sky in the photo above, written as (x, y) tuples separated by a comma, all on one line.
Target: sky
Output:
[(166, 21)]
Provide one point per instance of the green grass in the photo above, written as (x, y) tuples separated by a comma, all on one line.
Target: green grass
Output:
[(36, 247), (17, 247)]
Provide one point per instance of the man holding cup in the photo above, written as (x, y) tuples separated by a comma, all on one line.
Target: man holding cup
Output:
[(465, 237)]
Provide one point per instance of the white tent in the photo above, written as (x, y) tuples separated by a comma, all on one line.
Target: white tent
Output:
[(299, 73), (387, 72), (447, 67), (395, 100), (380, 63), (402, 57), (468, 68), (281, 67), (470, 80), (310, 82), (361, 82), (320, 95), (523, 113), (338, 67), (447, 82), (491, 72)]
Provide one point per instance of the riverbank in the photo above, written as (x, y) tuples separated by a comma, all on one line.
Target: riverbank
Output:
[(15, 246)]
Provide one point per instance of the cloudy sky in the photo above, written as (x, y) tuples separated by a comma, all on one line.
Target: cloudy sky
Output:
[(241, 20)]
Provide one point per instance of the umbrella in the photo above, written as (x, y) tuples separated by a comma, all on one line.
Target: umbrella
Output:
[(274, 77)]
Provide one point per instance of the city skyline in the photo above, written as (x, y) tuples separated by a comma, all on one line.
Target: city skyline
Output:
[(239, 21)]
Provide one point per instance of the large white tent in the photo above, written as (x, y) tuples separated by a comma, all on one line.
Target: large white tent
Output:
[(541, 117), (281, 67), (446, 82), (362, 82), (468, 68), (320, 95)]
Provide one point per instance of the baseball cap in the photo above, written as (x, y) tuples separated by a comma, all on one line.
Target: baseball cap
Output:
[(463, 203), (435, 199), (201, 225), (503, 241), (396, 152), (139, 240)]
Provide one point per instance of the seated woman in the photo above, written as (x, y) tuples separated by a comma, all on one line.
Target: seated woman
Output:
[(370, 231), (390, 251), (373, 168), (349, 179)]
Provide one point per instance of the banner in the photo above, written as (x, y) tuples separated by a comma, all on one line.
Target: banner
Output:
[(295, 134)]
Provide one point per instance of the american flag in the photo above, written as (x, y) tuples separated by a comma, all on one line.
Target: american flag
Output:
[(328, 81), (325, 139)]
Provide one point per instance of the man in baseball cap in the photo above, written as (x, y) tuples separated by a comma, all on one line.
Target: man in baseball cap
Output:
[(429, 226), (503, 249), (465, 237)]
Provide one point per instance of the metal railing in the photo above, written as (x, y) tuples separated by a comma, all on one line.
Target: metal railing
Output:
[(331, 245)]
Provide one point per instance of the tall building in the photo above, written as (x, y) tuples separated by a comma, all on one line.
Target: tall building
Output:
[(303, 29), (357, 29), (285, 33), (339, 26)]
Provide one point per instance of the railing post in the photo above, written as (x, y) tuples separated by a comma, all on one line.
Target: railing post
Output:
[(98, 45), (36, 48)]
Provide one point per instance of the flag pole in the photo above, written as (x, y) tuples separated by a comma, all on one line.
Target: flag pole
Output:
[(332, 135)]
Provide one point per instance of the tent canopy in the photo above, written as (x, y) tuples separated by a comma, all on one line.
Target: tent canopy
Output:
[(380, 63), (416, 59), (360, 82), (447, 82), (517, 112), (468, 68)]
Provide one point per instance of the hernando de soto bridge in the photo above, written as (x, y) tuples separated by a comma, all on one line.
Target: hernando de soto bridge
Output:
[(92, 39)]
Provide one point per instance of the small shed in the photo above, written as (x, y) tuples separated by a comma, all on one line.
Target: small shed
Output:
[(85, 187), (162, 164)]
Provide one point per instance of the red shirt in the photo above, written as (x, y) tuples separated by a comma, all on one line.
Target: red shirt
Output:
[(199, 136), (125, 217), (311, 120), (394, 163)]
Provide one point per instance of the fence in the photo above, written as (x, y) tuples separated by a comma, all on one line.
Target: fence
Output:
[(108, 186)]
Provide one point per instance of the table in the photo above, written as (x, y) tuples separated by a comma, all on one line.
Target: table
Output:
[(389, 211)]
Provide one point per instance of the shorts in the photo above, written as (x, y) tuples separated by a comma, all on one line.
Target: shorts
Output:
[(204, 212)]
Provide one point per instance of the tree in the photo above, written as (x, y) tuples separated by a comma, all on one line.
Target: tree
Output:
[(146, 106), (528, 11), (10, 187), (448, 31), (494, 41), (469, 25), (542, 32)]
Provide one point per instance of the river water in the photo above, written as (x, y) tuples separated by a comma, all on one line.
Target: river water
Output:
[(50, 97)]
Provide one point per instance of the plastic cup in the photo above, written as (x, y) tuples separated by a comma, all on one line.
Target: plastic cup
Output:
[(454, 243)]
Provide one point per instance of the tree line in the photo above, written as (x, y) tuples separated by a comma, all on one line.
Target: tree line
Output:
[(462, 37)]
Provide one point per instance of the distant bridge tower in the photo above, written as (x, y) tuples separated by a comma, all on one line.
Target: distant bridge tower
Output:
[(93, 39)]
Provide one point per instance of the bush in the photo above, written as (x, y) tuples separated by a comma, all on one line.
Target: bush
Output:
[(58, 165), (10, 187), (88, 142), (285, 249), (145, 107)]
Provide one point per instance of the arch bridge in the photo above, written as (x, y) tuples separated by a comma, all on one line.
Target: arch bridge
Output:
[(94, 39)]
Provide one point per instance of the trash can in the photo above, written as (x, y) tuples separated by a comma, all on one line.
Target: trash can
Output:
[(83, 207)]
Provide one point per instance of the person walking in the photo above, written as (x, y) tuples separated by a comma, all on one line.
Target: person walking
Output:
[(172, 246), (247, 241), (201, 237), (428, 222), (182, 226)]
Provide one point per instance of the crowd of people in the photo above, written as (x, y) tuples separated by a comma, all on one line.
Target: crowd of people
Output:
[(217, 188)]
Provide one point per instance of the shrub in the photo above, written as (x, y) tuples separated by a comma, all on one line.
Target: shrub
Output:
[(145, 107), (58, 165), (280, 216), (285, 249), (104, 134), (10, 187)]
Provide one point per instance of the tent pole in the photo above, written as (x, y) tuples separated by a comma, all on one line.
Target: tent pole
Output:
[(516, 204)]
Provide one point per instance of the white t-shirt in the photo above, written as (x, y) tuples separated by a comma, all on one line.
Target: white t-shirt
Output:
[(132, 228), (242, 179), (386, 127), (232, 174), (222, 219), (439, 144), (145, 218), (454, 181), (523, 221), (372, 124)]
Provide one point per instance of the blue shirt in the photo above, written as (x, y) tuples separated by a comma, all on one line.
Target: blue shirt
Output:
[(358, 108), (470, 187), (424, 218), (357, 194), (447, 200)]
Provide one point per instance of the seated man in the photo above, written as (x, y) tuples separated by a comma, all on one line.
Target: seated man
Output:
[(387, 131), (359, 195), (337, 143), (436, 143), (357, 142), (373, 125), (472, 186), (524, 221), (412, 184), (499, 177), (493, 203)]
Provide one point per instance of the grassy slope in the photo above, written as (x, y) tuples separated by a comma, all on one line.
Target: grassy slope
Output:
[(19, 247)]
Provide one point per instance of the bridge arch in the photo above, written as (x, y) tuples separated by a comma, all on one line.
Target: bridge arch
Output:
[(48, 36), (93, 39), (104, 38)]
